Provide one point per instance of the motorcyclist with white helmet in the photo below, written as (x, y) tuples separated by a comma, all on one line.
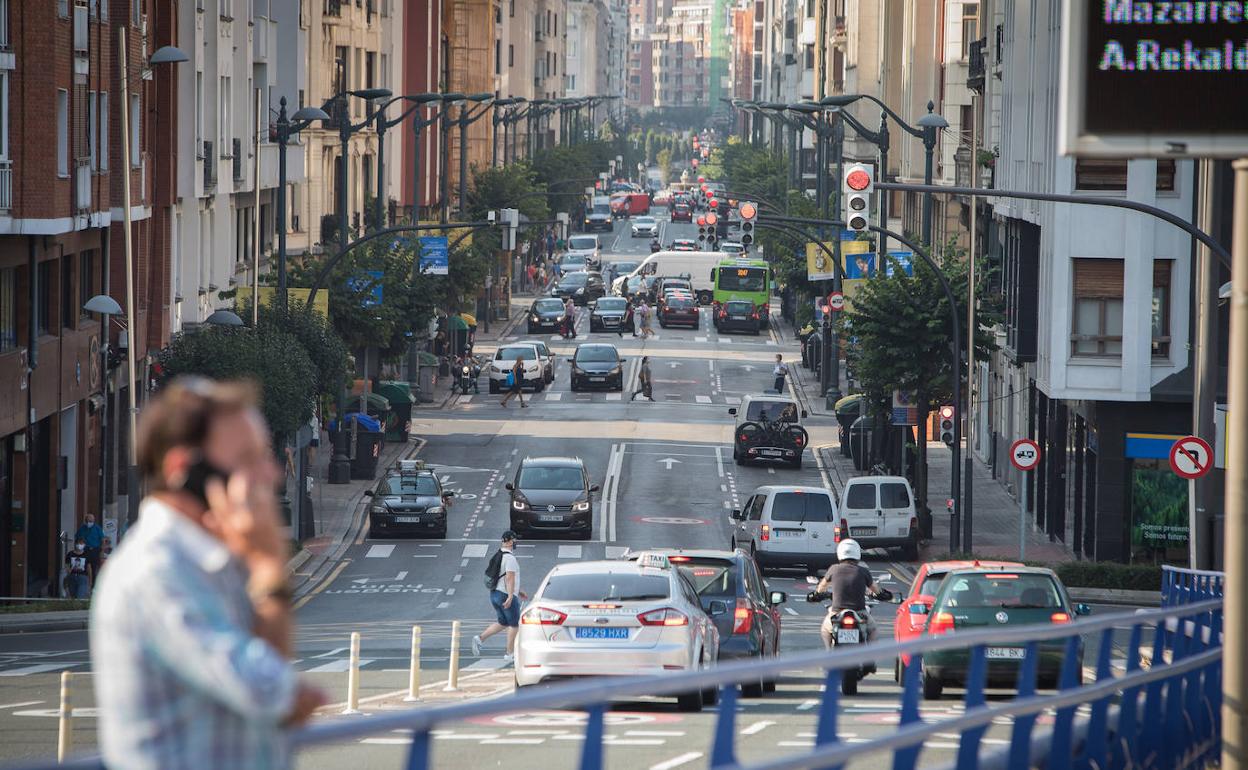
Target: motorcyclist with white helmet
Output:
[(848, 582)]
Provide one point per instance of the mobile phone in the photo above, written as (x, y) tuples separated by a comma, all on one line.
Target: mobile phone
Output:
[(197, 477)]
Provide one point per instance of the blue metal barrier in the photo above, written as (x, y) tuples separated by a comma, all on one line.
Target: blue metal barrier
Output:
[(1184, 586), (1165, 714)]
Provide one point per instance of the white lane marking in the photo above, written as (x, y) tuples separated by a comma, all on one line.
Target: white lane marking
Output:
[(379, 552), (801, 744), (711, 364), (443, 605), (457, 578), (515, 451), (772, 471), (466, 737), (430, 545), (38, 668), (615, 396), (726, 505), (838, 735), (614, 465), (772, 342), (463, 563), (513, 741), (476, 550), (569, 552), (399, 577), (331, 653), (723, 488), (19, 705), (732, 400), (609, 741), (450, 592), (655, 733), (791, 611), (702, 399), (493, 664), (757, 727), (677, 761), (807, 705), (726, 340), (554, 396), (424, 556), (616, 551), (388, 741), (699, 339), (337, 666)]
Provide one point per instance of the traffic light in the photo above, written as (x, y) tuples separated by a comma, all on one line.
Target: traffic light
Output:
[(748, 210), (711, 219), (701, 228), (859, 183), (947, 416)]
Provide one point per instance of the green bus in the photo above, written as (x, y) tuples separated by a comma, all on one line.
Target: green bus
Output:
[(743, 279)]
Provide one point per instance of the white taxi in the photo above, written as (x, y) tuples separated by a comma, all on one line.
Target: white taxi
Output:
[(616, 618)]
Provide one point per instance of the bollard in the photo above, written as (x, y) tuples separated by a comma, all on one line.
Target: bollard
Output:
[(452, 677), (353, 676), (413, 681), (65, 733)]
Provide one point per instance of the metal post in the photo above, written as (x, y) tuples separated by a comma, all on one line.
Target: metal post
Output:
[(463, 161), (968, 492), (1022, 515), (821, 184), (378, 220), (929, 149), (417, 156), (1203, 502), (344, 135), (413, 678), (132, 383), (255, 222), (1235, 666), (283, 127), (832, 393), (883, 145), (494, 137), (444, 162)]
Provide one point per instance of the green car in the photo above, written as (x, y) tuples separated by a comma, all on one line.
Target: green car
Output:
[(971, 599)]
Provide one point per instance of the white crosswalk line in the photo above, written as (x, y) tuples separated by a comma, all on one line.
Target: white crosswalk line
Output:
[(337, 666), (38, 668), (699, 339), (475, 550), (732, 400), (615, 396), (677, 761), (703, 399), (379, 552), (569, 552), (772, 342), (726, 340), (554, 396), (616, 551)]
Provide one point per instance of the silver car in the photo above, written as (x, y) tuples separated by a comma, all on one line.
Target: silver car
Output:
[(504, 362), (616, 618), (645, 226)]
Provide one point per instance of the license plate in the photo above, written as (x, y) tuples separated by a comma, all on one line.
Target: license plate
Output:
[(847, 636), (783, 533), (771, 452), (1005, 653), (550, 517), (601, 633), (407, 519), (597, 379), (860, 531), (737, 317)]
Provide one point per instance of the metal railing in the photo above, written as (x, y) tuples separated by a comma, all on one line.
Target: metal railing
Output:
[(210, 166), (237, 154), (1165, 715), (6, 185)]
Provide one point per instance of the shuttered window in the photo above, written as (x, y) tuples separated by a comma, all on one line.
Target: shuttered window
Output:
[(1162, 268), (1096, 329), (1111, 174)]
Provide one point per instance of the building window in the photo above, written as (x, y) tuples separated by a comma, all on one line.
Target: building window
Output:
[(226, 130), (68, 316), (809, 56), (103, 105), (86, 280), (62, 132), (1097, 324), (135, 131), (511, 55), (1162, 269), (8, 308), (43, 299), (1110, 174), (370, 70), (572, 82), (498, 57), (970, 27), (92, 130), (511, 9)]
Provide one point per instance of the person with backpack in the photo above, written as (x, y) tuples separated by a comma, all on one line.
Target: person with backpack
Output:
[(502, 578)]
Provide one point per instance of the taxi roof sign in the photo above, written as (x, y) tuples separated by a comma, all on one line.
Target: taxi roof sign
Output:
[(655, 560)]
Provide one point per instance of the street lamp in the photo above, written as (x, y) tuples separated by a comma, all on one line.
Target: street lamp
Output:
[(224, 318), (418, 101), (345, 130), (500, 116), (106, 306), (466, 118), (284, 130), (444, 181)]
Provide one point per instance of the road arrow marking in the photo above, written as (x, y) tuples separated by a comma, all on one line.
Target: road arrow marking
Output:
[(748, 368), (674, 364), (669, 462)]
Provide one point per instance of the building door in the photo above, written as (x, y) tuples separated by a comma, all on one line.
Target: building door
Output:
[(39, 522), (67, 472), (6, 515)]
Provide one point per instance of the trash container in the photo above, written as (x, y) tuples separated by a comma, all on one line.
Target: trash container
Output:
[(860, 441), (369, 438), (399, 421), (426, 365)]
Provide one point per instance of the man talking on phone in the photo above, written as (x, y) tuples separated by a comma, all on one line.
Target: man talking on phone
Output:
[(191, 624)]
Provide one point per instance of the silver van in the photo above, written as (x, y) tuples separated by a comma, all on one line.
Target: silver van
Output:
[(788, 526), (879, 512)]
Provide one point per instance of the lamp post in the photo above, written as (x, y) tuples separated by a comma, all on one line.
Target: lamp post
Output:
[(106, 306), (345, 130), (501, 117), (165, 55), (286, 128), (444, 154), (419, 124), (466, 119), (383, 125)]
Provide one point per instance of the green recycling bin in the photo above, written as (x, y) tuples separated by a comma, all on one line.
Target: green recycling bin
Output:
[(399, 421)]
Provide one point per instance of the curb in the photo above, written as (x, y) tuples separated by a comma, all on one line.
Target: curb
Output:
[(1115, 596), (43, 625), (298, 560)]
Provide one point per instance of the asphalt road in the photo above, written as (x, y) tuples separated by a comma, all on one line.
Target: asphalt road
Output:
[(674, 483)]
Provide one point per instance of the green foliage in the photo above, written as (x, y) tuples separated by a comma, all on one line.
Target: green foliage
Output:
[(269, 356), (515, 186), (664, 160), (1088, 574), (328, 353)]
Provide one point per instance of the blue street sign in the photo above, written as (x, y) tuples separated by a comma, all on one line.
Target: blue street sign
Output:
[(369, 281), (434, 255)]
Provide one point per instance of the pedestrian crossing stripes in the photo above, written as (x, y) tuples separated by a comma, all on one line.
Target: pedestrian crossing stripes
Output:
[(563, 397)]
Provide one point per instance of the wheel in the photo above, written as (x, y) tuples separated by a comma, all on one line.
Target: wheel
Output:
[(690, 702), (754, 689), (441, 535), (849, 683), (739, 459), (493, 387), (932, 687), (572, 386), (533, 330), (769, 685), (586, 535), (910, 551), (898, 670), (710, 696)]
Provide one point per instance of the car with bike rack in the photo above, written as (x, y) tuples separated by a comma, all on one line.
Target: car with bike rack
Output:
[(767, 429)]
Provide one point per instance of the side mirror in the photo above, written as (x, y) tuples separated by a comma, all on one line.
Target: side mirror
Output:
[(736, 513), (448, 493), (718, 607), (509, 487), (804, 414), (622, 360), (571, 360), (368, 493), (919, 608), (778, 597), (732, 410), (1083, 609), (595, 488)]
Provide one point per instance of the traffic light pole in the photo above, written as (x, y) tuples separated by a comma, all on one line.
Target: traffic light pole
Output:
[(832, 393)]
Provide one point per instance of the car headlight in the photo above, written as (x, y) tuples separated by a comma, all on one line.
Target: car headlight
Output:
[(581, 507), (519, 505), (436, 509), (580, 291), (379, 509), (536, 318), (617, 370)]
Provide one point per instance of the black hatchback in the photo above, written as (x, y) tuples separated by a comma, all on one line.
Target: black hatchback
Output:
[(553, 495), (546, 315), (409, 500), (738, 315)]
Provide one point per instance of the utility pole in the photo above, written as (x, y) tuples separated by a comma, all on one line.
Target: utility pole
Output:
[(1203, 500), (970, 337)]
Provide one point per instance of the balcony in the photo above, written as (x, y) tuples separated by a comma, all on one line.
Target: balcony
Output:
[(6, 185), (332, 8), (210, 167), (238, 159), (975, 72)]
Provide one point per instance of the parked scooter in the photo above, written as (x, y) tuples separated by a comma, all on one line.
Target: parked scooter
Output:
[(848, 627)]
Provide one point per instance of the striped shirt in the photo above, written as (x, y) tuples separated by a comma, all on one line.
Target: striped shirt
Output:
[(180, 679)]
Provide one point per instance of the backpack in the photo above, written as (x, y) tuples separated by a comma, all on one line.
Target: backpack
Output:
[(493, 569)]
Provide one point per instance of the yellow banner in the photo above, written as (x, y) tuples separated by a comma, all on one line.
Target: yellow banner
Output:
[(243, 294), (819, 266)]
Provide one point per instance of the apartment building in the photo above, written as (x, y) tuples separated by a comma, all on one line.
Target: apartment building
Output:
[(63, 436), (681, 66), (643, 18), (237, 49), (588, 48), (473, 68), (419, 60)]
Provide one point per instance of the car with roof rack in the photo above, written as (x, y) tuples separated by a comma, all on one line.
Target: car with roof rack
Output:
[(408, 500)]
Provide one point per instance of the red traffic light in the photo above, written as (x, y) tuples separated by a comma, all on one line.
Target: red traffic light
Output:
[(701, 221), (946, 413), (711, 219), (701, 179), (858, 180), (711, 202), (748, 210)]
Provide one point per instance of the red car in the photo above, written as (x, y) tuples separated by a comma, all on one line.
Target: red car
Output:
[(680, 309), (912, 612), (682, 212), (684, 244)]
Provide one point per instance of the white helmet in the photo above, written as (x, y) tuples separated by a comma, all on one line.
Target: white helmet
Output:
[(848, 549)]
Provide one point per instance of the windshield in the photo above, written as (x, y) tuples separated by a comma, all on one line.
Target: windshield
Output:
[(551, 477), (644, 220), (549, 305), (625, 267), (742, 278), (574, 279), (801, 506), (991, 589), (732, 248), (583, 243), (760, 411), (610, 586), (711, 578), (596, 353), (680, 303), (612, 304), (573, 259), (513, 354), (739, 307), (602, 208), (411, 485)]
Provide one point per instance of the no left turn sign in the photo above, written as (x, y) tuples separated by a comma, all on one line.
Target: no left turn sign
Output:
[(1025, 454), (1191, 457), (836, 301)]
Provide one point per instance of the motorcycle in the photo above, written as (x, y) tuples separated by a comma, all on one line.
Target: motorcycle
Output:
[(848, 627), (655, 246), (469, 374)]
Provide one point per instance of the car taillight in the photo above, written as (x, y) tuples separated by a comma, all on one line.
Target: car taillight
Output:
[(743, 618), (942, 622), (743, 437), (766, 309), (840, 531), (914, 523), (678, 558), (847, 621), (663, 617), (541, 616), (1059, 617), (766, 532)]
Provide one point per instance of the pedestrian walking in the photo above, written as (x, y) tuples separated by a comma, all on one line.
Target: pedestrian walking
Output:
[(643, 312), (781, 371), (77, 579), (569, 318), (502, 577), (92, 535), (531, 272), (550, 242), (645, 382), (191, 628), (517, 383)]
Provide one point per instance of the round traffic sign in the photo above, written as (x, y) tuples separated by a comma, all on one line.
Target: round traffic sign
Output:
[(836, 301), (1025, 454), (1191, 457)]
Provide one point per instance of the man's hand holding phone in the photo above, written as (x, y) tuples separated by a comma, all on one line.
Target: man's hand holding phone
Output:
[(244, 515)]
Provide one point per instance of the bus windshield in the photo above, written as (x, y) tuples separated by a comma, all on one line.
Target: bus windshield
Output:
[(742, 278)]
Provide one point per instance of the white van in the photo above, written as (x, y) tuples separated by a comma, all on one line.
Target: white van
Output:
[(878, 512), (788, 526)]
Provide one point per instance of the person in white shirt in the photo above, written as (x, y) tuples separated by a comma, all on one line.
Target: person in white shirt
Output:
[(781, 371), (505, 596)]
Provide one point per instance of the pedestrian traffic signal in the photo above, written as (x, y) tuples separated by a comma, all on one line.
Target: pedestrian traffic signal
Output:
[(859, 183), (947, 416), (748, 211)]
